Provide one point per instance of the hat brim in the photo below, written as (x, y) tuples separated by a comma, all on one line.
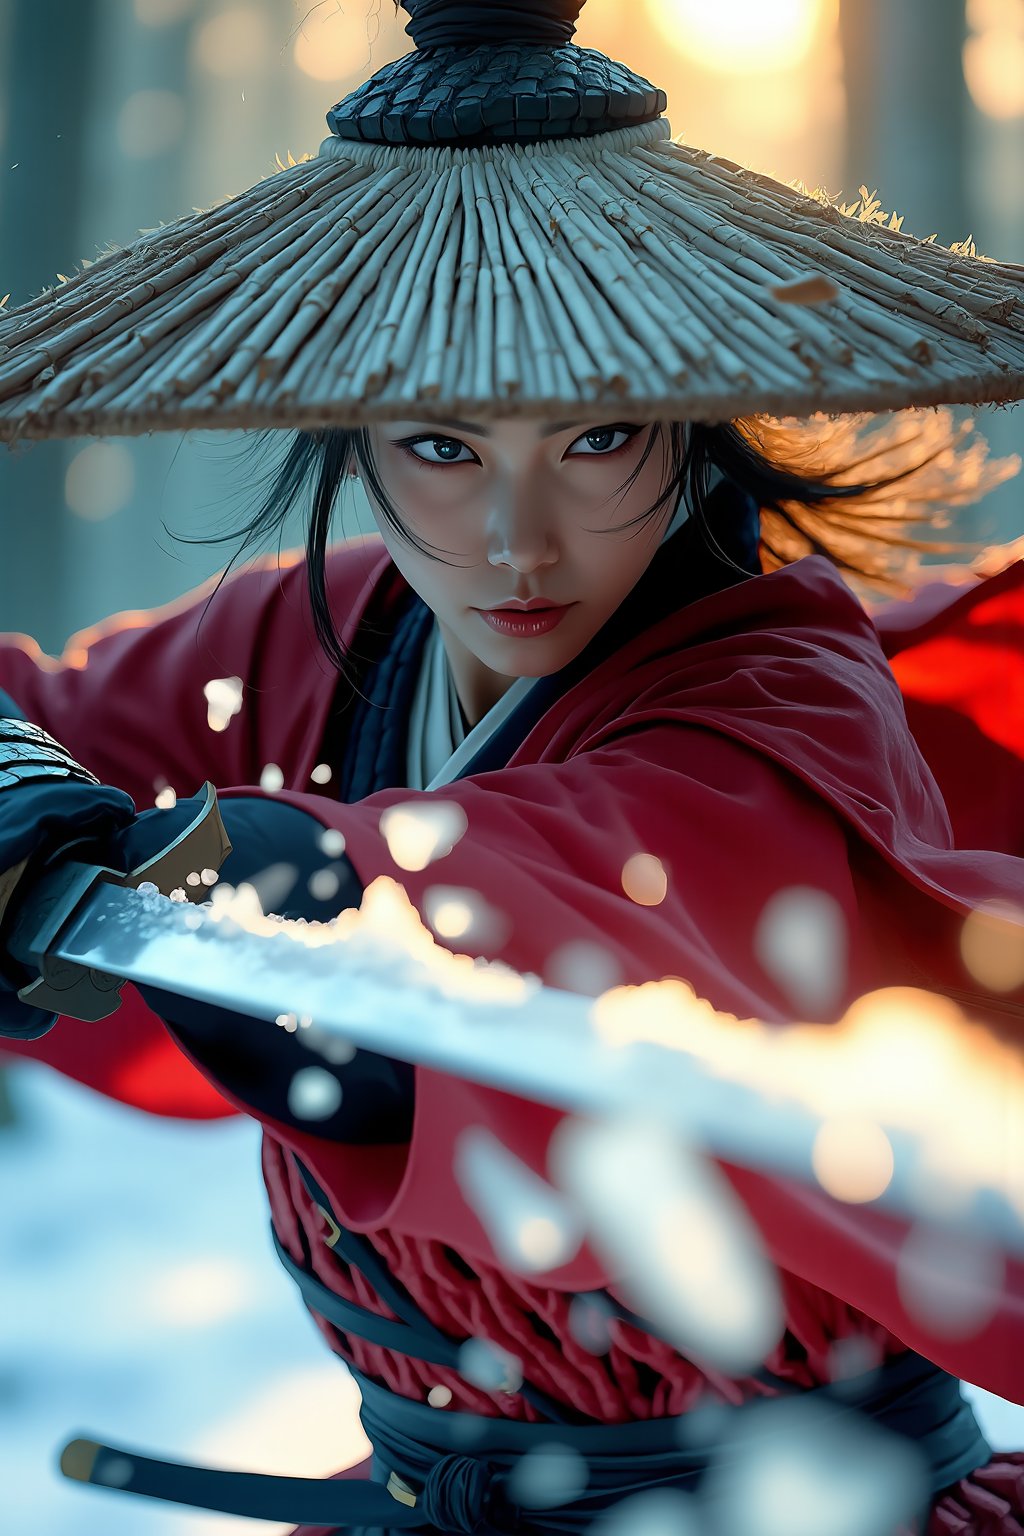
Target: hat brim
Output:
[(625, 271)]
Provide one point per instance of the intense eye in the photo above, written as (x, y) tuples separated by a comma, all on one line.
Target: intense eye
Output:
[(447, 450), (602, 441)]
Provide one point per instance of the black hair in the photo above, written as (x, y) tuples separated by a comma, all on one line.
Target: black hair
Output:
[(798, 474)]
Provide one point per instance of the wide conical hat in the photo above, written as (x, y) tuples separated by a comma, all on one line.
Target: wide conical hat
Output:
[(505, 227)]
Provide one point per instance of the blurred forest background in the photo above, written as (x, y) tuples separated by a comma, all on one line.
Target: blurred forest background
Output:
[(117, 114), (139, 1293)]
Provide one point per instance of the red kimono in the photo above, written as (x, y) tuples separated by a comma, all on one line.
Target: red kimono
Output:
[(754, 740)]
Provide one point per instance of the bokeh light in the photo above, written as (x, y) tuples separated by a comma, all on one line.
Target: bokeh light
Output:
[(793, 1468), (947, 1283), (419, 832), (800, 940), (342, 43), (313, 1094), (234, 43), (223, 701), (644, 880), (852, 1159), (99, 481), (530, 1224), (162, 13), (994, 57), (667, 1224), (201, 1292), (548, 1475), (581, 966), (742, 36), (992, 946), (150, 123)]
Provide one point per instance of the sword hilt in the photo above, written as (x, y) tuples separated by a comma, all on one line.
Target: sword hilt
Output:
[(43, 912)]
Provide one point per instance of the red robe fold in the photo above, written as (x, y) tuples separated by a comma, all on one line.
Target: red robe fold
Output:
[(755, 740)]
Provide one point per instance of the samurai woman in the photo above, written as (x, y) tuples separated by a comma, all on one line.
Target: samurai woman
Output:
[(608, 633)]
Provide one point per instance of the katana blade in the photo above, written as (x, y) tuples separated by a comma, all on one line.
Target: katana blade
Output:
[(486, 1024)]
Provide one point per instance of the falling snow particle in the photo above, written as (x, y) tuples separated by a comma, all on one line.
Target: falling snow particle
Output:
[(787, 1469), (590, 1317), (419, 832), (332, 842), (274, 885), (321, 773), (166, 800), (115, 1472), (530, 1224), (223, 701), (439, 1397), (489, 1367), (800, 939), (547, 1476), (655, 1512), (580, 966), (271, 779), (323, 884), (313, 1094)]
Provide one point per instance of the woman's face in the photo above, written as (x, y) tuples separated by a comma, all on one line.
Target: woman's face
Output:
[(521, 510)]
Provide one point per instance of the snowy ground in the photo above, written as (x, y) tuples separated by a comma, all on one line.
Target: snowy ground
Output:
[(141, 1304)]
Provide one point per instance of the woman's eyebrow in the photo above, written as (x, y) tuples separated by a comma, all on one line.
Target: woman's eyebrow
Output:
[(479, 430)]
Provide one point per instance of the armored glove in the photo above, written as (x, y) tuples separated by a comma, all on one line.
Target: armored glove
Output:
[(51, 808)]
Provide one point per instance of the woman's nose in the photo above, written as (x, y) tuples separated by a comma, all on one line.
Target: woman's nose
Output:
[(520, 538)]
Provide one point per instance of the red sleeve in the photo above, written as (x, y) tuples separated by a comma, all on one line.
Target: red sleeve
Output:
[(127, 699), (957, 651), (546, 845)]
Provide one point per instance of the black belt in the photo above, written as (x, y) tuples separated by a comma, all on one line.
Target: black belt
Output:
[(448, 1471)]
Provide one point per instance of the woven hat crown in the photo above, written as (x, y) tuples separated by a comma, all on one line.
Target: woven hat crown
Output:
[(504, 73), (458, 24)]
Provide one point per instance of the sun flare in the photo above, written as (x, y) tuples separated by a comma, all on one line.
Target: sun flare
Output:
[(742, 36)]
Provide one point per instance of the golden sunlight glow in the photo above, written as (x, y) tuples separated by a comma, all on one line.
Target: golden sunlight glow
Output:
[(385, 924), (883, 1077), (342, 43), (742, 36), (899, 1057)]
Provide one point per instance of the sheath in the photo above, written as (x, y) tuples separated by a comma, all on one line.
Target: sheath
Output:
[(362, 1222)]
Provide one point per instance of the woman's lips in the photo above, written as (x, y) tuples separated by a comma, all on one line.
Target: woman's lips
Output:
[(523, 622)]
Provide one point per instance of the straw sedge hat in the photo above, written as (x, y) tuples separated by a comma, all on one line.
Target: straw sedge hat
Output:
[(501, 224)]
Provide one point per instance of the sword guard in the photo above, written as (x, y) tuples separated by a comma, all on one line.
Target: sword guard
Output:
[(75, 990)]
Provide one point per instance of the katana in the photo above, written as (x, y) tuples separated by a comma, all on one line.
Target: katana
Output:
[(88, 930)]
